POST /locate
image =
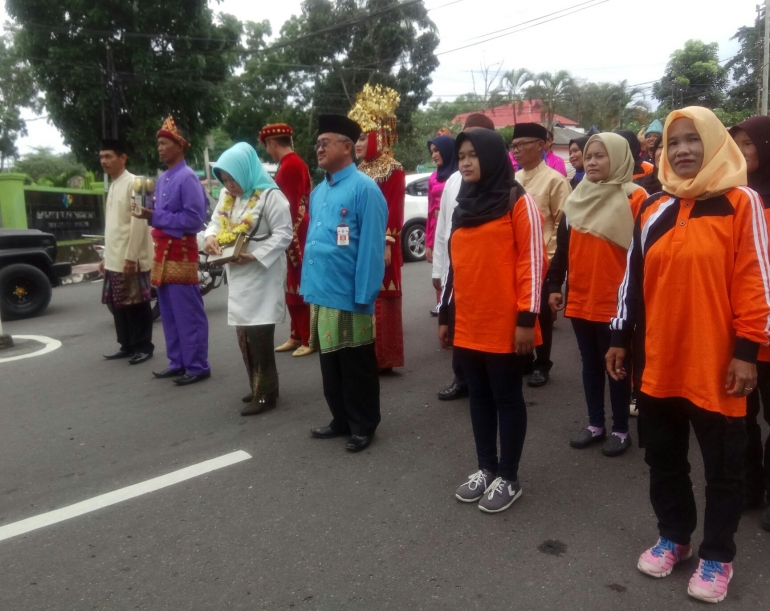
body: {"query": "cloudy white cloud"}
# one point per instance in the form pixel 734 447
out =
pixel 610 41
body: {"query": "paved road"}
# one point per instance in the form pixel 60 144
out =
pixel 302 524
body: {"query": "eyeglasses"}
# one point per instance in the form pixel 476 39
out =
pixel 517 145
pixel 322 144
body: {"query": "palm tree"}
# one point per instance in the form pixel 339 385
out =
pixel 553 90
pixel 632 104
pixel 515 83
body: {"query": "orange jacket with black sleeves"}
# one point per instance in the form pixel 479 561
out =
pixel 495 279
pixel 695 295
pixel 594 268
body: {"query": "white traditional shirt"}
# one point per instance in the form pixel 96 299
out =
pixel 126 238
pixel 257 289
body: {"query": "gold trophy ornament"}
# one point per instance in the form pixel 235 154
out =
pixel 144 190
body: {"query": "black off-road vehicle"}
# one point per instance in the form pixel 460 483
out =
pixel 28 272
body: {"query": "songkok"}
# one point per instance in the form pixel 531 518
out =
pixel 530 130
pixel 478 120
pixel 170 131
pixel 656 127
pixel 339 124
pixel 117 146
pixel 275 130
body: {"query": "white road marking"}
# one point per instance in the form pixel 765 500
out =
pixel 117 496
pixel 50 346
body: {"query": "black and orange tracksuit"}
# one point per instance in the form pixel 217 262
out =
pixel 696 294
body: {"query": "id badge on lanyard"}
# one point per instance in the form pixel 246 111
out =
pixel 343 231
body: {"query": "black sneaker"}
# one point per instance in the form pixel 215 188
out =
pixel 586 438
pixel 500 495
pixel 472 490
pixel 538 378
pixel 615 445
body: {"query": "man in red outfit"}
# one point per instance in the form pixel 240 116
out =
pixel 293 180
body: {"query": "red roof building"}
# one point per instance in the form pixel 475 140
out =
pixel 528 112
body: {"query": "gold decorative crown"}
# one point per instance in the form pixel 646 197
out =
pixel 375 110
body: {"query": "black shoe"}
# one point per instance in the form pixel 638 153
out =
pixel 538 378
pixel 434 313
pixel 327 432
pixel 455 391
pixel 586 438
pixel 766 518
pixel 120 354
pixel 358 443
pixel 139 357
pixel 187 379
pixel 248 398
pixel 615 446
pixel 168 373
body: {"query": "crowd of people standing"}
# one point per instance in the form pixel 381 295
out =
pixel 651 229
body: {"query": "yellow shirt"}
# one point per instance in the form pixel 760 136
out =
pixel 125 237
pixel 550 190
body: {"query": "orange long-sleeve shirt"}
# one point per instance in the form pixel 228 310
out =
pixel 696 293
pixel 495 279
pixel 595 268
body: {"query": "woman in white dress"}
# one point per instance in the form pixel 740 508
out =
pixel 256 280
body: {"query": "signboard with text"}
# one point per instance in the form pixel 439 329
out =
pixel 66 215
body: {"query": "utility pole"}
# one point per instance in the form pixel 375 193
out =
pixel 766 59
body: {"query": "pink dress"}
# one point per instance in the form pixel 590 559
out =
pixel 435 189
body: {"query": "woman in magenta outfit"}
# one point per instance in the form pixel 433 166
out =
pixel 442 151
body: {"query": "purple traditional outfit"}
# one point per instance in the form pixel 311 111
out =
pixel 180 213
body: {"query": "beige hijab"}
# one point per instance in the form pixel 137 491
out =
pixel 724 167
pixel 602 208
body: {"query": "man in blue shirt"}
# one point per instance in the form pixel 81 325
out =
pixel 342 273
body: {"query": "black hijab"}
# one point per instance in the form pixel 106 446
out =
pixel 636 148
pixel 489 198
pixel 446 148
pixel 758 129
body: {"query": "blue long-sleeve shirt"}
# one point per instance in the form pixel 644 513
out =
pixel 180 202
pixel 345 277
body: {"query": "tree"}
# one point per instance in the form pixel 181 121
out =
pixel 693 77
pixel 515 83
pixel 43 166
pixel 18 91
pixel 553 91
pixel 489 81
pixel 744 67
pixel 324 56
pixel 109 58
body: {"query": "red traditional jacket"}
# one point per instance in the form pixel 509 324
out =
pixel 390 177
pixel 293 179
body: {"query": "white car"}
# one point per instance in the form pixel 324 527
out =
pixel 415 217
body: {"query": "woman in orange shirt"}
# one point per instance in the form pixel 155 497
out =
pixel 592 247
pixel 496 292
pixel 695 306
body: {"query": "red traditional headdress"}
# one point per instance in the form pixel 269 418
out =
pixel 170 130
pixel 275 130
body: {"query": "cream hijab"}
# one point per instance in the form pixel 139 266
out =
pixel 724 167
pixel 602 208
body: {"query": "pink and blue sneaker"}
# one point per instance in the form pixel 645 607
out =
pixel 710 581
pixel 659 560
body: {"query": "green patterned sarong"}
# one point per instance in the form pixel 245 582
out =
pixel 332 330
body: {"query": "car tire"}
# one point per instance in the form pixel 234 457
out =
pixel 25 291
pixel 413 242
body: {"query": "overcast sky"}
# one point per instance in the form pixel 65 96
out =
pixel 605 41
